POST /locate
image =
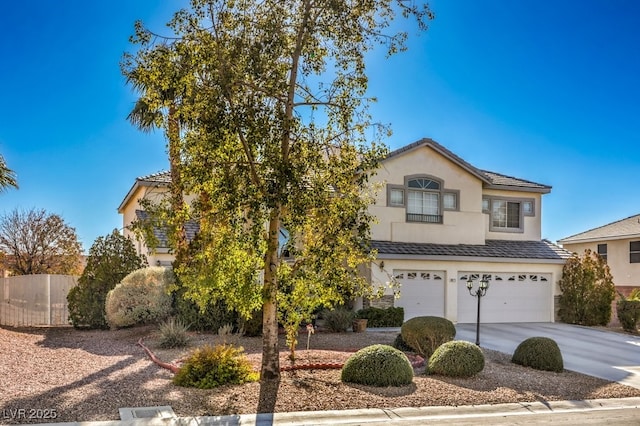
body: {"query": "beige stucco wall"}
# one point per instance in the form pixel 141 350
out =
pixel 459 227
pixel 453 268
pixel 624 273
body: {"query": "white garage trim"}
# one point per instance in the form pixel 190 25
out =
pixel 422 293
pixel 511 297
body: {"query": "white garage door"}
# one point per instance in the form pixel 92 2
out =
pixel 510 298
pixel 421 293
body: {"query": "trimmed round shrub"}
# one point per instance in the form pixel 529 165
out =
pixel 141 298
pixel 378 365
pixel 209 367
pixel 541 353
pixel 456 359
pixel 425 334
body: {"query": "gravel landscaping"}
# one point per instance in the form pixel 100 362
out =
pixel 64 375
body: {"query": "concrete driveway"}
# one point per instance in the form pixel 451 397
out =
pixel 605 354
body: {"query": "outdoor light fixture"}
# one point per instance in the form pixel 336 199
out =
pixel 479 293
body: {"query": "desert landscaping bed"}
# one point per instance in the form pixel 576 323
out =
pixel 76 375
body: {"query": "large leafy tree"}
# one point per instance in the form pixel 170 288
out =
pixel 273 122
pixel 7 176
pixel 38 242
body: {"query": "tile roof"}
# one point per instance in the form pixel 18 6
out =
pixel 504 180
pixel 490 178
pixel 544 249
pixel 191 227
pixel 159 177
pixel 624 228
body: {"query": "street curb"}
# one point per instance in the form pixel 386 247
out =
pixel 377 415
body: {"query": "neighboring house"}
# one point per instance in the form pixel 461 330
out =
pixel 441 222
pixel 619 244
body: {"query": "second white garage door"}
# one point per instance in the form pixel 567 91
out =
pixel 510 298
pixel 421 293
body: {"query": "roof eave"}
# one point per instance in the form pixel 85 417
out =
pixel 598 239
pixel 395 256
pixel 137 184
pixel 442 151
pixel 543 190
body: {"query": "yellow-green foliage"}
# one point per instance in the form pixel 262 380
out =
pixel 456 359
pixel 425 334
pixel 208 367
pixel 142 297
pixel 541 353
pixel 378 365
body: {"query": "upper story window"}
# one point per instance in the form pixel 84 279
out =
pixel 602 251
pixel 423 197
pixel 634 252
pixel 507 214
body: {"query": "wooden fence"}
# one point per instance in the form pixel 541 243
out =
pixel 35 300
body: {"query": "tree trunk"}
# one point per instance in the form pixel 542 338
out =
pixel 270 371
pixel 177 186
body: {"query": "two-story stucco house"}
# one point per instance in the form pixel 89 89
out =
pixel 441 222
pixel 619 244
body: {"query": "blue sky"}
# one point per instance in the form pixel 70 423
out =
pixel 546 90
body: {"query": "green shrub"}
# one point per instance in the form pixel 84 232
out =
pixel 628 311
pixel 173 334
pixel 401 345
pixel 425 334
pixel 141 298
pixel 211 318
pixel 378 317
pixel 541 353
pixel 456 359
pixel 378 365
pixel 338 320
pixel 587 290
pixel 111 258
pixel 251 327
pixel 209 367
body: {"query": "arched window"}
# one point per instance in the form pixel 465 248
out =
pixel 423 197
pixel 423 200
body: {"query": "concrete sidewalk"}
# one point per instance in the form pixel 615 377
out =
pixel 520 413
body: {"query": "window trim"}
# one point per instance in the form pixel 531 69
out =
pixel 391 187
pixel 439 192
pixel 601 249
pixel 456 196
pixel 518 200
pixel 634 252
